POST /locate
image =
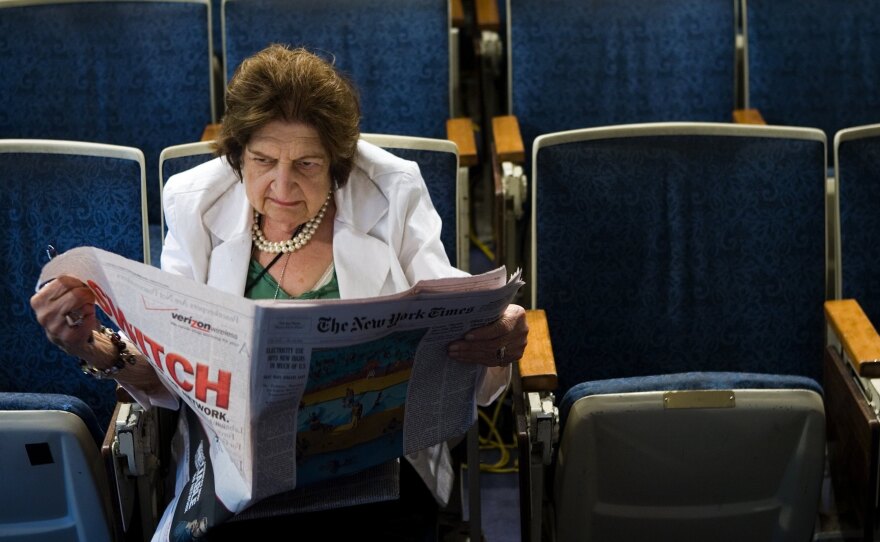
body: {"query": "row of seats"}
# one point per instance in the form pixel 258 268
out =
pixel 710 231
pixel 569 64
pixel 677 259
pixel 687 81
pixel 573 64
pixel 140 74
pixel 670 256
pixel 68 194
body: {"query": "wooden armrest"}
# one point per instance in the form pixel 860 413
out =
pixel 859 338
pixel 456 8
pixel 461 131
pixel 211 132
pixel 537 366
pixel 487 15
pixel 508 140
pixel 748 116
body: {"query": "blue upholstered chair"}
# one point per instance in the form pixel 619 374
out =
pixel 133 73
pixel 398 53
pixel 813 63
pixel 681 267
pixel 402 56
pixel 575 64
pixel 438 162
pixel 447 183
pixel 853 345
pixel 857 174
pixel 53 418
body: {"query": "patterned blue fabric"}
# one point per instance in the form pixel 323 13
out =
pixel 53 401
pixel 684 381
pixel 814 62
pixel 396 52
pixel 582 63
pixel 66 201
pixel 177 164
pixel 133 73
pixel 859 193
pixel 439 169
pixel 670 254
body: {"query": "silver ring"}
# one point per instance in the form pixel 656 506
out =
pixel 74 318
pixel 500 353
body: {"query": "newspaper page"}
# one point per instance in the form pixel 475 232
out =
pixel 287 394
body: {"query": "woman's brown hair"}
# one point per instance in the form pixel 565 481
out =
pixel 294 85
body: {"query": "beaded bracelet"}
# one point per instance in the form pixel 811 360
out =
pixel 123 357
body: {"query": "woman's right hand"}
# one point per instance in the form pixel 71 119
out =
pixel 65 307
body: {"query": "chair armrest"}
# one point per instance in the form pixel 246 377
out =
pixel 487 15
pixel 135 452
pixel 509 145
pixel 748 116
pixel 852 423
pixel 211 132
pixel 460 130
pixel 456 9
pixel 537 368
pixel 859 338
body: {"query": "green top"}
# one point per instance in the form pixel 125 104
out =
pixel 265 288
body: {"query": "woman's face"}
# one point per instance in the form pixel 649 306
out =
pixel 286 173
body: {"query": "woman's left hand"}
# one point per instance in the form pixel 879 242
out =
pixel 496 345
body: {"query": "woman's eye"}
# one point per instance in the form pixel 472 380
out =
pixel 261 160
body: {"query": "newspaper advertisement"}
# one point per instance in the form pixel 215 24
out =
pixel 284 394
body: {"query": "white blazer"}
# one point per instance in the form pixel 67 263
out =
pixel 386 237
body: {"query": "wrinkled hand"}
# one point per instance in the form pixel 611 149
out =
pixel 496 345
pixel 65 307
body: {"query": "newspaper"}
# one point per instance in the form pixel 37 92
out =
pixel 294 393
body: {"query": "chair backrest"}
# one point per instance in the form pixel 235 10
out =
pixel 674 247
pixel 814 63
pixel 681 267
pixel 398 53
pixel 575 64
pixel 857 171
pixel 438 162
pixel 133 73
pixel 65 194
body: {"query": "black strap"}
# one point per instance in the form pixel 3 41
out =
pixel 265 270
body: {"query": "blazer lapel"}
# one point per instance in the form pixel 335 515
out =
pixel 229 264
pixel 362 265
pixel 229 221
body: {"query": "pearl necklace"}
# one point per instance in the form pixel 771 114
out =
pixel 297 242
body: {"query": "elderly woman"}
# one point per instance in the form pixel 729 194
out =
pixel 294 207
